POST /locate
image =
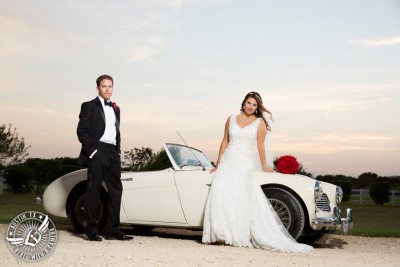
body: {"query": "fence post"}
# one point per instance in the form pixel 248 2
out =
pixel 394 196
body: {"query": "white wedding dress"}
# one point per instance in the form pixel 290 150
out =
pixel 237 210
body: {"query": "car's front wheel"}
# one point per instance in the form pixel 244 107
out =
pixel 288 209
pixel 76 209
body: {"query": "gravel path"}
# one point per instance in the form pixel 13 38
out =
pixel 173 247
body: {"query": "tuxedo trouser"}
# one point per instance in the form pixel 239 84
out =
pixel 105 165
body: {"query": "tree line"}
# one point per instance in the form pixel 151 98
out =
pixel 24 175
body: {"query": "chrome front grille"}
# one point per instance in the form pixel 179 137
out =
pixel 322 204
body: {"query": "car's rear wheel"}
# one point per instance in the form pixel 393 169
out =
pixel 76 210
pixel 288 209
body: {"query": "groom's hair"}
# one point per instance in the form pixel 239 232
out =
pixel 104 77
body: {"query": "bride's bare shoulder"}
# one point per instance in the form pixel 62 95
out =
pixel 228 120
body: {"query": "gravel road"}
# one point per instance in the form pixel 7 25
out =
pixel 174 247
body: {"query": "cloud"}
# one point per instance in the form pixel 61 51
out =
pixel 21 36
pixel 391 41
pixel 137 30
pixel 154 45
pixel 176 4
pixel 330 97
pixel 144 21
pixel 323 143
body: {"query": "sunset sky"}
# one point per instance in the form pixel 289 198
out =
pixel 328 70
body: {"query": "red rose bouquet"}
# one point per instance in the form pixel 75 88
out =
pixel 287 164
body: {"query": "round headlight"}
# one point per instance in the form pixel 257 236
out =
pixel 317 190
pixel 339 194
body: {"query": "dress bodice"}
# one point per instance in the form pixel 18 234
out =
pixel 245 137
pixel 242 141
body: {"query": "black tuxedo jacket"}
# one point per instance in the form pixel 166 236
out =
pixel 91 128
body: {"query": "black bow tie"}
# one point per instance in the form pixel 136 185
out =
pixel 108 103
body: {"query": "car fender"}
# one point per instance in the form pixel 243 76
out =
pixel 56 194
pixel 301 186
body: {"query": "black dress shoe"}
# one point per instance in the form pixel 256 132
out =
pixel 117 236
pixel 93 237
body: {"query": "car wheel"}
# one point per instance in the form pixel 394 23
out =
pixel 76 210
pixel 288 209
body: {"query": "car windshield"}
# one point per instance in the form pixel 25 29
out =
pixel 187 156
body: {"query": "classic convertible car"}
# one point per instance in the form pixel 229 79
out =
pixel 176 197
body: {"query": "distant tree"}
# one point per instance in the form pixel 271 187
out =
pixel 19 179
pixel 159 162
pixel 326 178
pixel 137 157
pixel 380 192
pixel 366 179
pixel 68 161
pixel 12 148
pixel 45 171
pixel 67 165
pixel 393 181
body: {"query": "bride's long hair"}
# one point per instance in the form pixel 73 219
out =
pixel 260 108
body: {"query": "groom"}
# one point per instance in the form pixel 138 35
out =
pixel 98 132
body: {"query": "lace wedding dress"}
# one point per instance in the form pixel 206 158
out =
pixel 237 210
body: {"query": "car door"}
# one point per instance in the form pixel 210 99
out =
pixel 193 180
pixel 193 187
pixel 151 198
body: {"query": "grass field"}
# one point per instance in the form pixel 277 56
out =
pixel 374 220
pixel 368 200
pixel 11 205
pixel 369 219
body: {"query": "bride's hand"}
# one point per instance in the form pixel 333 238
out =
pixel 213 170
pixel 266 169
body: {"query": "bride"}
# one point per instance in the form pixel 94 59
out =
pixel 237 211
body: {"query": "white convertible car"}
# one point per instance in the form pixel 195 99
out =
pixel 176 197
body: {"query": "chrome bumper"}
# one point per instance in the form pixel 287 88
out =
pixel 335 223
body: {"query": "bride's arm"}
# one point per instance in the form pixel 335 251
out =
pixel 222 147
pixel 262 131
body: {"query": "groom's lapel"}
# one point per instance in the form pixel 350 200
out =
pixel 100 109
pixel 117 118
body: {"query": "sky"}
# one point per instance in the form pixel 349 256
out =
pixel 329 71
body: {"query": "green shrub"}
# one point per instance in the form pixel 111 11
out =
pixel 380 192
pixel 19 179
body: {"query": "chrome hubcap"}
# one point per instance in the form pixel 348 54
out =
pixel 282 211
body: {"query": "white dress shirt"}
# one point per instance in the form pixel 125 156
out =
pixel 110 133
